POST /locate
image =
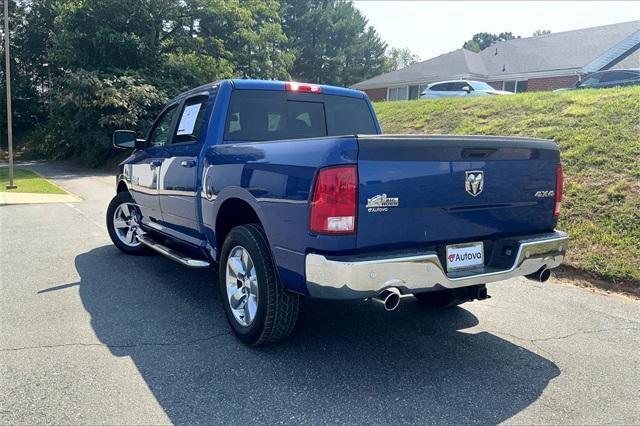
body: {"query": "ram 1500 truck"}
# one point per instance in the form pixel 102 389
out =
pixel 291 190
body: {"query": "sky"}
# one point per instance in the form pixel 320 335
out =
pixel 430 29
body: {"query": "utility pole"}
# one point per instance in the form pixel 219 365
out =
pixel 8 76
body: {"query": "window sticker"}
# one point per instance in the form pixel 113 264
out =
pixel 188 119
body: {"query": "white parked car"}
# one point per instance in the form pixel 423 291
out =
pixel 460 88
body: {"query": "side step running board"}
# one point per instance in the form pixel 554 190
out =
pixel 172 254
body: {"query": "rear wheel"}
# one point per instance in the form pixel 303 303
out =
pixel 123 219
pixel 258 308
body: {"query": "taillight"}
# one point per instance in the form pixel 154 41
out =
pixel 559 184
pixel 334 201
pixel 292 86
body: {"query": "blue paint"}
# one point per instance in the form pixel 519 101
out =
pixel 275 179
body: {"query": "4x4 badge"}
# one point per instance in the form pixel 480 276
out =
pixel 474 182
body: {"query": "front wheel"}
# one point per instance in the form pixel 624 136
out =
pixel 123 219
pixel 258 308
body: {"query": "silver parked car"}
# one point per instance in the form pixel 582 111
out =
pixel 460 88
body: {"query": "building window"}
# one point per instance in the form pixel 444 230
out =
pixel 422 88
pixel 522 86
pixel 393 94
pixel 515 86
pixel 398 93
pixel 414 92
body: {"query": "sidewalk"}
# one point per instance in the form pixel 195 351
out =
pixel 28 198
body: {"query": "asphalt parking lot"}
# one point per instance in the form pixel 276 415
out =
pixel 90 335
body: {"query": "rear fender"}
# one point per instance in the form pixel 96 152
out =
pixel 214 206
pixel 290 280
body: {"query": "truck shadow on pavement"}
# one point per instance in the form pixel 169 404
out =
pixel 347 362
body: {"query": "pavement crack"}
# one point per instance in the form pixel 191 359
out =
pixel 566 336
pixel 119 346
pixel 535 341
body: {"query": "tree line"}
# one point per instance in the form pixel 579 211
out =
pixel 82 68
pixel 481 41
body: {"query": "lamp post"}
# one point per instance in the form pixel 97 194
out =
pixel 46 65
pixel 8 76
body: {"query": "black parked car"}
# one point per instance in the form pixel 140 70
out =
pixel 609 78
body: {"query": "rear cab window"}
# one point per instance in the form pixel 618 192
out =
pixel 266 115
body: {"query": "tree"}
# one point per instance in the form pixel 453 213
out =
pixel 106 35
pixel 118 61
pixel 29 23
pixel 400 58
pixel 114 63
pixel 481 41
pixel 541 32
pixel 331 41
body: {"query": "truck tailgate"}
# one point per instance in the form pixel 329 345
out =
pixel 416 191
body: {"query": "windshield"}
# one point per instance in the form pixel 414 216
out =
pixel 480 85
pixel 592 79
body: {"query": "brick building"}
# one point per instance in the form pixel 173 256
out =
pixel 545 62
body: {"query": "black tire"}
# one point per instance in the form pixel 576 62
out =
pixel 277 309
pixel 136 249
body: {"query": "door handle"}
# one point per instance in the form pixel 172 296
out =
pixel 155 163
pixel 188 163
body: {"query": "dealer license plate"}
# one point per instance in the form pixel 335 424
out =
pixel 465 256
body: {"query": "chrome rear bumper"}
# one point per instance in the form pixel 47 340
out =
pixel 344 278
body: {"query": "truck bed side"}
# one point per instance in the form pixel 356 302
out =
pixel 275 180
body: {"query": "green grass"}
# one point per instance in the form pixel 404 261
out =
pixel 27 181
pixel 598 132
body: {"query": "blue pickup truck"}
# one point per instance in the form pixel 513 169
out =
pixel 291 190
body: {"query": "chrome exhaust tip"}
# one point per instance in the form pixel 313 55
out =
pixel 389 298
pixel 541 275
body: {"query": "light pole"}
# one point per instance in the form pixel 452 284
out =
pixel 8 76
pixel 46 65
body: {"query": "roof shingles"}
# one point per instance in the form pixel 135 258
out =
pixel 568 50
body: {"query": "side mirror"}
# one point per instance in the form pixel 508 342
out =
pixel 466 89
pixel 126 139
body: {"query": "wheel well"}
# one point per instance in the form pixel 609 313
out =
pixel 232 213
pixel 122 186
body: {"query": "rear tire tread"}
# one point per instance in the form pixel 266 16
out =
pixel 281 308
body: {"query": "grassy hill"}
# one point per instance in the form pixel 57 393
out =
pixel 598 132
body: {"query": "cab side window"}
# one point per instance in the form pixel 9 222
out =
pixel 191 120
pixel 159 135
pixel 442 87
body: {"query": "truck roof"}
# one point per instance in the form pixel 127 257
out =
pixel 248 84
pixel 243 84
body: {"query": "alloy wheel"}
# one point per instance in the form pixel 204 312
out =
pixel 242 286
pixel 125 224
